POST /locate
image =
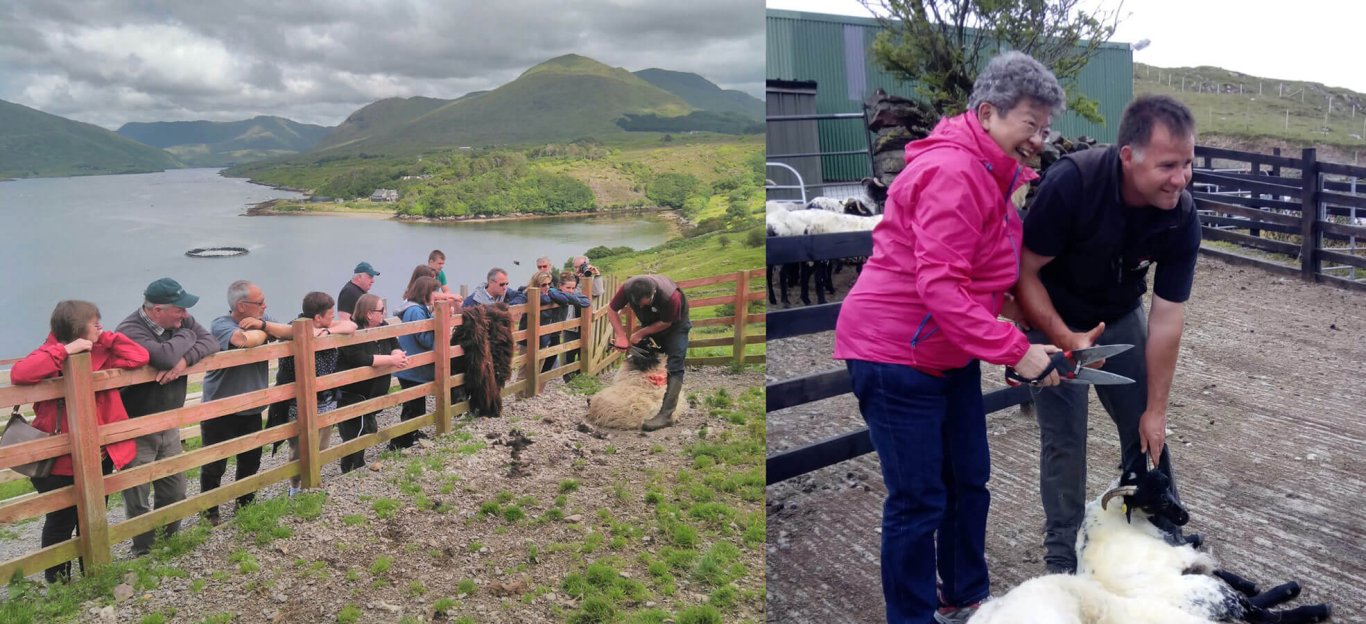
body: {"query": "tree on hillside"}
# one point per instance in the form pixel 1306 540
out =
pixel 941 44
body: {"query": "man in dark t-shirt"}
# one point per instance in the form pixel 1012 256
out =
pixel 360 284
pixel 662 310
pixel 1100 219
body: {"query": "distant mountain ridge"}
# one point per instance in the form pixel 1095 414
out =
pixel 703 94
pixel 562 99
pixel 217 143
pixel 38 144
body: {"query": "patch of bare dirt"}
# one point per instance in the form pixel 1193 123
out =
pixel 442 531
pixel 1268 439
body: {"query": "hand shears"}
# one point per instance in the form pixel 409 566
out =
pixel 1071 367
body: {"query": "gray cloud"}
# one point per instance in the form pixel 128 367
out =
pixel 315 61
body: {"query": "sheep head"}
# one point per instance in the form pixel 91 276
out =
pixel 1149 491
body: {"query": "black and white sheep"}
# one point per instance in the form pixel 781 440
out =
pixel 635 394
pixel 811 221
pixel 1130 571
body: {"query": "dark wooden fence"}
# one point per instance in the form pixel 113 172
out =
pixel 1311 218
pixel 77 386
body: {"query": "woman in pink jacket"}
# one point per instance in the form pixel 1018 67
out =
pixel 922 315
pixel 76 328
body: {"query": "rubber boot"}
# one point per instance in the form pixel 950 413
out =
pixel 665 417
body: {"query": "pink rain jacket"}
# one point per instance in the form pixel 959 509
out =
pixel 945 253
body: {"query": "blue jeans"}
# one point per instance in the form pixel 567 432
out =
pixel 931 439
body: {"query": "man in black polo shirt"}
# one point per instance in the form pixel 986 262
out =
pixel 661 308
pixel 360 284
pixel 1100 219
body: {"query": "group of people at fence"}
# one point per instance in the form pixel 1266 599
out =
pixel 162 332
pixel 953 256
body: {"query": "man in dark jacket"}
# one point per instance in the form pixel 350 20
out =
pixel 495 290
pixel 174 340
pixel 1100 220
pixel 661 308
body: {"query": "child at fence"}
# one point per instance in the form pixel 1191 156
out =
pixel 569 283
pixel 75 329
pixel 319 307
pixel 383 353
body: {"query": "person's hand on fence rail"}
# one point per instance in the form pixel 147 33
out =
pixel 167 376
pixel 398 359
pixel 78 345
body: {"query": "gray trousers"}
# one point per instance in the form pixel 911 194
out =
pixel 169 489
pixel 1062 414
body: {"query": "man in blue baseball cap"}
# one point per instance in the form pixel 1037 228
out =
pixel 174 340
pixel 361 281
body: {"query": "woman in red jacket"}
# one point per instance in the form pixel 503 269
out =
pixel 920 318
pixel 76 328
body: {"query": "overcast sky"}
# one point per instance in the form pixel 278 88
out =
pixel 109 62
pixel 1312 40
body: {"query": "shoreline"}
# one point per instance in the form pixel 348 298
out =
pixel 267 209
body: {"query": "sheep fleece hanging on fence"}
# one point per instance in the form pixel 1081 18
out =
pixel 485 334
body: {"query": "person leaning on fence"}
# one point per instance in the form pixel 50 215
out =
pixel 551 295
pixel 1100 219
pixel 420 296
pixel 362 280
pixel 661 309
pixel 382 354
pixel 319 307
pixel 75 329
pixel 436 261
pixel 569 285
pixel 495 290
pixel 174 341
pixel 245 325
pixel 922 316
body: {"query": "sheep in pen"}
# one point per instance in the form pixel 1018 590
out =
pixel 1132 572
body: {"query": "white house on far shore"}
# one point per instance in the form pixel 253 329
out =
pixel 387 195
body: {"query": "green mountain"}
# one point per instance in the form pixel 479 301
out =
pixel 563 99
pixel 379 118
pixel 219 144
pixel 703 94
pixel 37 144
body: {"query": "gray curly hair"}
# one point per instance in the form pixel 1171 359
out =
pixel 1012 76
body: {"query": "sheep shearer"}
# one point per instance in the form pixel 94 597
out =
pixel 361 282
pixel 1100 219
pixel 662 310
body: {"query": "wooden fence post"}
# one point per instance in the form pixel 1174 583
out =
pixel 533 341
pixel 1311 235
pixel 306 398
pixel 441 344
pixel 83 424
pixel 586 330
pixel 741 311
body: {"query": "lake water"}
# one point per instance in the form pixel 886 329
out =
pixel 104 238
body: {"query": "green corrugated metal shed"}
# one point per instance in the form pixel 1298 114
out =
pixel 834 51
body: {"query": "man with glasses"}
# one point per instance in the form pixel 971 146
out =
pixel 495 290
pixel 246 325
pixel 543 265
pixel 164 327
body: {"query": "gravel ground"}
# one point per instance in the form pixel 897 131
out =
pixel 1266 423
pixel 303 578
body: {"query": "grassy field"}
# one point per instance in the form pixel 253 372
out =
pixel 1238 105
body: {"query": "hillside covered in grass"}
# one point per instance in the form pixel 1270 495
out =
pixel 37 144
pixel 1241 106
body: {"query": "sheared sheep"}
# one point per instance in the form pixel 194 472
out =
pixel 1129 571
pixel 636 393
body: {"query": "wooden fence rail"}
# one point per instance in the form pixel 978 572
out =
pixel 84 437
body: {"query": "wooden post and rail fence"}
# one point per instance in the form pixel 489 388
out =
pixel 84 437
pixel 1317 217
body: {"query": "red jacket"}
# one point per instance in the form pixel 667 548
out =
pixel 112 350
pixel 945 253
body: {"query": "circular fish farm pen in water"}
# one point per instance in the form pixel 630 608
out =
pixel 216 252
